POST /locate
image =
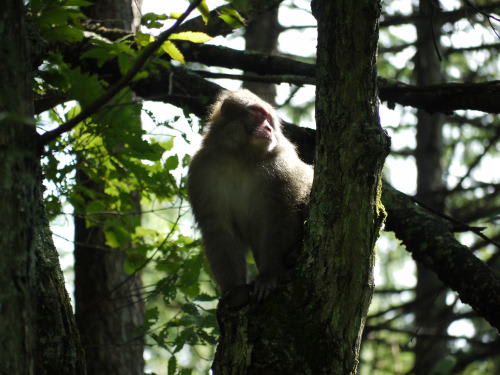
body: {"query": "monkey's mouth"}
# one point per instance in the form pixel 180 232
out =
pixel 264 131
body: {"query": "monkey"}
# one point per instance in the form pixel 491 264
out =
pixel 247 187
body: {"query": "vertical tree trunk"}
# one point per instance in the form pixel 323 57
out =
pixel 262 35
pixel 109 307
pixel 314 324
pixel 346 211
pixel 37 329
pixel 430 315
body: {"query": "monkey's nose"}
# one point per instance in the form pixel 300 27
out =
pixel 260 113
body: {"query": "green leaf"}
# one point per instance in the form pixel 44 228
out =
pixel 112 240
pixel 172 162
pixel 204 11
pixel 190 276
pixel 64 33
pixel 151 20
pixel 175 15
pixel 167 145
pixel 143 39
pixel 83 87
pixel 53 17
pixel 78 3
pixel 190 309
pixel 444 366
pixel 191 36
pixel 172 365
pixel 232 18
pixel 95 206
pixel 151 316
pixel 124 63
pixel 170 49
pixel 116 235
pixel 100 54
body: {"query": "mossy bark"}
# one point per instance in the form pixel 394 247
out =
pixel 313 324
pixel 37 329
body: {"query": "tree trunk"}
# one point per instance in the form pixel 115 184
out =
pixel 346 211
pixel 430 312
pixel 109 306
pixel 313 325
pixel 37 328
pixel 261 35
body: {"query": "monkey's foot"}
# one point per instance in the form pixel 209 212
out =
pixel 237 297
pixel 264 286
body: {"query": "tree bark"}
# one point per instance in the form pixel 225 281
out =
pixel 261 35
pixel 430 311
pixel 37 329
pixel 109 306
pixel 346 211
pixel 314 323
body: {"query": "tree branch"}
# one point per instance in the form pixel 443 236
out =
pixel 430 241
pixel 445 97
pixel 443 17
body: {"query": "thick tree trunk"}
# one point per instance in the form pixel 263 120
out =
pixel 430 312
pixel 109 307
pixel 37 329
pixel 346 211
pixel 313 325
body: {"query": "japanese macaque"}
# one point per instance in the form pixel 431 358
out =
pixel 248 188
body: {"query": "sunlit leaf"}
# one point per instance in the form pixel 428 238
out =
pixel 204 11
pixel 170 49
pixel 232 18
pixel 175 15
pixel 192 36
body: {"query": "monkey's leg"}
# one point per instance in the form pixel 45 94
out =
pixel 226 256
pixel 270 260
pixel 278 236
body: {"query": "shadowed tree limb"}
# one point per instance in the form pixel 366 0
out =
pixel 430 241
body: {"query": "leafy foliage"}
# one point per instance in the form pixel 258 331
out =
pixel 125 161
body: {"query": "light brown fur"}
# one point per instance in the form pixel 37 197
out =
pixel 247 191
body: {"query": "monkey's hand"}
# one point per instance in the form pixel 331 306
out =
pixel 264 285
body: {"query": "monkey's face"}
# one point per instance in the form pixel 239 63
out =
pixel 260 127
pixel 248 122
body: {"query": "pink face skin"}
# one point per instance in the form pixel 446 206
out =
pixel 263 134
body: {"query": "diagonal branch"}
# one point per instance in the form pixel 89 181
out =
pixel 430 241
pixel 444 17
